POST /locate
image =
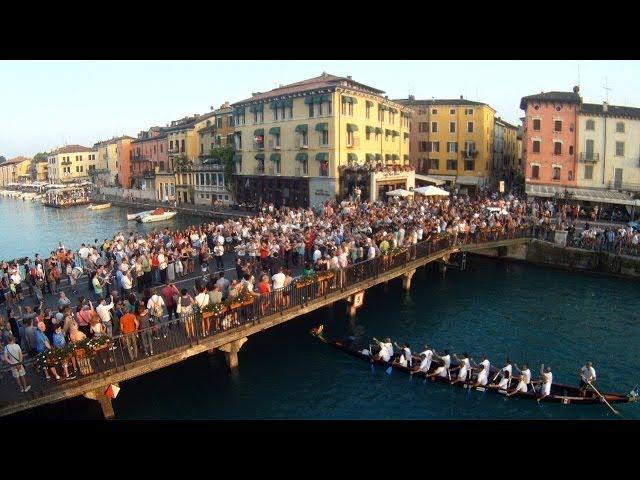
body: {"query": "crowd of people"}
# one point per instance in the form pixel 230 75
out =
pixel 132 276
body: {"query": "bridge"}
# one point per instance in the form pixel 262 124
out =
pixel 228 330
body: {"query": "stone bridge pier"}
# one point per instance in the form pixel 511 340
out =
pixel 231 353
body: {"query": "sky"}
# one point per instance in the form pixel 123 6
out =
pixel 47 104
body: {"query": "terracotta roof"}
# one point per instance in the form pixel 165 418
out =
pixel 453 101
pixel 71 149
pixel 612 110
pixel 15 160
pixel 566 97
pixel 322 82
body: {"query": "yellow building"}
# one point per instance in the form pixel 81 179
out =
pixel 184 148
pixel 452 140
pixel 72 163
pixel 307 142
pixel 40 169
pixel 106 170
pixel 13 169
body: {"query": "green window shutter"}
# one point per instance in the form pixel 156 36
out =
pixel 382 107
pixel 288 102
pixel 308 100
pixel 259 156
pixel 275 157
pixel 378 130
pixel 370 103
pixel 352 127
pixel 395 157
pixel 387 131
pixel 302 157
pixel 393 110
pixel 258 132
pixel 406 157
pixel 321 127
pixel 369 129
pixel 352 157
pixel 369 157
pixel 326 98
pixel 302 128
pixel 395 133
pixel 378 157
pixel 274 131
pixel 272 105
pixel 322 157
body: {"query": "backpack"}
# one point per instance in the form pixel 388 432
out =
pixel 158 311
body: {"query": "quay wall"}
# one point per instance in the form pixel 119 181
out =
pixel 547 254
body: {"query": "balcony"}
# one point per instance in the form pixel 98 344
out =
pixel 173 151
pixel 66 162
pixel 209 188
pixel 469 153
pixel 207 167
pixel 589 157
pixel 259 170
pixel 140 158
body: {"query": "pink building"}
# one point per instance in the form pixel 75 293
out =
pixel 550 137
pixel 148 153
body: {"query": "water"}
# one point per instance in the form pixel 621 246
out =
pixel 532 314
pixel 29 228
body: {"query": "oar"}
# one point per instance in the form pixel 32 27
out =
pixel 389 370
pixel 373 369
pixel 603 399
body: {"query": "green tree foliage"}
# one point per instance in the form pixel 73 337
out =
pixel 225 156
pixel 40 157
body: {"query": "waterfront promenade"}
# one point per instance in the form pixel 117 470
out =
pixel 229 330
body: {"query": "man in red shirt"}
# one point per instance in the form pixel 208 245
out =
pixel 128 326
pixel 309 241
pixel 167 293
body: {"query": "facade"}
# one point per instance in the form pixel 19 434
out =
pixel 519 162
pixel 505 151
pixel 452 140
pixel 550 138
pixel 149 156
pixel 15 170
pixel 609 147
pixel 305 143
pixel 124 161
pixel 73 163
pixel 39 171
pixel 223 131
pixel 107 168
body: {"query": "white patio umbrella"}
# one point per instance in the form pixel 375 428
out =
pixel 431 191
pixel 399 193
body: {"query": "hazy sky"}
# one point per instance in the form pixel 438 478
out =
pixel 45 104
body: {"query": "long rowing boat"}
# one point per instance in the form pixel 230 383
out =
pixel 564 394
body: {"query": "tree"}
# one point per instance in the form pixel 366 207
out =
pixel 2 159
pixel 40 157
pixel 225 156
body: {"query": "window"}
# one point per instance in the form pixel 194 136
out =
pixel 620 127
pixel 367 134
pixel 619 149
pixel 588 149
pixel 452 127
pixel 557 148
pixel 556 173
pixel 324 169
pixel 468 111
pixel 305 167
pixel 434 111
pixel 452 111
pixel 536 124
pixel 434 127
pixel 571 150
pixel 422 146
pixel 535 171
pixel 368 111
pixel 469 148
pixel 557 126
pixel 423 127
pixel 182 146
pixel 276 140
pixel 591 125
pixel 380 115
pixel 588 172
pixel 536 146
pixel 468 165
pixel 160 148
pixel 570 174
pixel 311 110
pixel 303 139
pixel 469 127
pixel 324 138
pixel 434 163
pixel 350 139
pixel 392 117
pixel 452 164
pixel 435 147
pixel 452 147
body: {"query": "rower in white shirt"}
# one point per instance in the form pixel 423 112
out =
pixel 425 364
pixel 464 365
pixel 587 376
pixel 524 380
pixel 445 361
pixel 406 351
pixel 386 349
pixel 546 378
pixel 483 373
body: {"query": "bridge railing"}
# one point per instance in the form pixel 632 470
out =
pixel 129 350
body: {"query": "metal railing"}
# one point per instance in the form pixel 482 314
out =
pixel 169 336
pixel 589 157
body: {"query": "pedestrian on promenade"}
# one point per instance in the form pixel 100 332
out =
pixel 13 356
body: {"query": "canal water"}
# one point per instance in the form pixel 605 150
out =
pixel 531 314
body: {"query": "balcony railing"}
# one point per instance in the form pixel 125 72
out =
pixel 629 187
pixel 207 167
pixel 140 158
pixel 589 157
pixel 469 153
pixel 173 150
pixel 209 188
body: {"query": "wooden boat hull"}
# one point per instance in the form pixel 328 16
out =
pixel 99 207
pixel 565 394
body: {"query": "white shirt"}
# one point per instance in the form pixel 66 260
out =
pixel 278 280
pixel 447 361
pixel 526 376
pixel 486 366
pixel 384 353
pixel 155 300
pixel 218 250
pixel 389 347
pixel 509 369
pixel 202 299
pixel 84 253
pixel 407 354
pixel 588 374
pixel 103 312
pixel 547 378
pixel 316 255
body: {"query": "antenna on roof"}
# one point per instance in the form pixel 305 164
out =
pixel 578 75
pixel 606 88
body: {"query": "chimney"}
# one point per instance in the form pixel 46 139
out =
pixel 576 89
pixel 605 107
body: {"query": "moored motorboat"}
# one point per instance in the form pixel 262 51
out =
pixel 565 394
pixel 134 216
pixel 158 215
pixel 99 207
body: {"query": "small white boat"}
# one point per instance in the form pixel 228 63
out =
pixel 99 207
pixel 134 216
pixel 156 217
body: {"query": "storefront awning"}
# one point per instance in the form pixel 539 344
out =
pixel 370 103
pixel 275 157
pixel 259 157
pixel 302 157
pixel 322 127
pixel 237 158
pixel 369 157
pixel 302 128
pixel 468 180
pixel 427 178
pixel 274 131
pixel 582 194
pixel 258 132
pixel 322 157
